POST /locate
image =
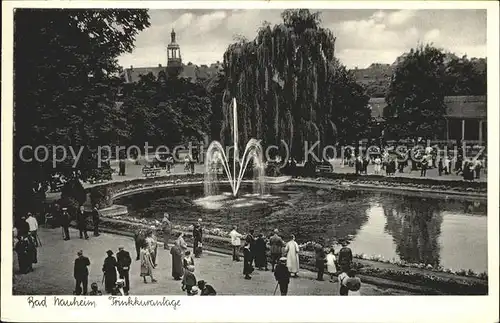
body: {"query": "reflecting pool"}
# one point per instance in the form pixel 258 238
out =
pixel 417 229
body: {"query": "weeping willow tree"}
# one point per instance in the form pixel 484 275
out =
pixel 289 86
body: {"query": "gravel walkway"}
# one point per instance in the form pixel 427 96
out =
pixel 53 275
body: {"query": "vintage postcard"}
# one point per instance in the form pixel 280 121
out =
pixel 158 151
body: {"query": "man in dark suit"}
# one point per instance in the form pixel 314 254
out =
pixel 81 273
pixel 123 265
pixel 65 219
pixel 95 220
pixel 81 222
pixel 197 238
pixel 250 239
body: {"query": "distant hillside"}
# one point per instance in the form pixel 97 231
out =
pixel 464 76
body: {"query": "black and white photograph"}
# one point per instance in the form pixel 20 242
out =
pixel 275 150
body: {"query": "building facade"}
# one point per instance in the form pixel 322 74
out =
pixel 466 117
pixel 174 68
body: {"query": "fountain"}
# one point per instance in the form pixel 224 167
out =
pixel 216 157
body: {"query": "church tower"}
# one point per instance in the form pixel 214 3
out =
pixel 174 65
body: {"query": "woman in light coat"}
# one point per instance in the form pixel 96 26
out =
pixel 147 265
pixel 292 256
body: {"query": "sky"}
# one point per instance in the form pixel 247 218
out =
pixel 363 36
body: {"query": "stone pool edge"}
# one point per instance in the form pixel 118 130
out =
pixel 104 193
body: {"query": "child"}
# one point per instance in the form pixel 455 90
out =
pixel 194 291
pixel 350 285
pixel 189 280
pixel 188 260
pixel 330 264
pixel 119 288
pixel 95 290
pixel 206 289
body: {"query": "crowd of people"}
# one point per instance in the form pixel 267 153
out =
pixel 258 252
pixel 392 162
pixel 183 264
pixel 284 260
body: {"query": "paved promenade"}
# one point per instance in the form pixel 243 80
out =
pixel 53 274
pixel 135 171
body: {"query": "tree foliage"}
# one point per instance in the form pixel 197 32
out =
pixel 290 87
pixel 65 82
pixel 166 111
pixel 416 93
pixel 462 76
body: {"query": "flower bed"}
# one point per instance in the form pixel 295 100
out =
pixel 449 286
pixel 307 249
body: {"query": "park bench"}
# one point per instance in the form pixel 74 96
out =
pixel 151 171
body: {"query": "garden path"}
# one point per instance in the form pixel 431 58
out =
pixel 53 274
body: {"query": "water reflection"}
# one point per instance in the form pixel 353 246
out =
pixel 415 225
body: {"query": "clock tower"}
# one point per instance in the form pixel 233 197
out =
pixel 174 63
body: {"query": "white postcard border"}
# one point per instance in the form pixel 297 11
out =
pixel 261 308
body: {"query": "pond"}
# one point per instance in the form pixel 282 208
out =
pixel 417 229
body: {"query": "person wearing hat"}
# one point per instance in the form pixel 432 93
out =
pixel 65 223
pixel 345 257
pixel 24 256
pixel 247 261
pixel 197 238
pixel 109 270
pixel 206 289
pixel 189 280
pixel 123 262
pixel 81 273
pixel 166 228
pixel 276 246
pixel 282 276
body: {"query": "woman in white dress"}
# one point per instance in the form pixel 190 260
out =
pixel 330 264
pixel 292 256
